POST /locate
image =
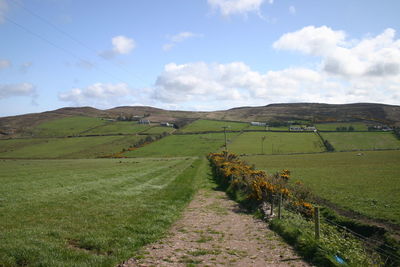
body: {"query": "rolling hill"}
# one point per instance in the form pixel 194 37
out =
pixel 388 114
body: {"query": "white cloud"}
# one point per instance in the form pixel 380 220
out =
pixel 122 45
pixel 4 64
pixel 3 10
pixel 311 40
pixel 98 94
pixel 373 56
pixel 232 7
pixel 292 10
pixel 19 89
pixel 177 38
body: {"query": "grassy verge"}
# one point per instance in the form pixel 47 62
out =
pixel 89 212
pixel 213 125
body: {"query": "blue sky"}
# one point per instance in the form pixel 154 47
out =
pixel 196 55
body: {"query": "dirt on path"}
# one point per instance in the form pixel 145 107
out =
pixel 214 231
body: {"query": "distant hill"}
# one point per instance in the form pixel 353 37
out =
pixel 387 114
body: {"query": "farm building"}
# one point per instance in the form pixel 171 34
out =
pixel 144 121
pixel 166 124
pixel 310 128
pixel 256 123
pixel 295 128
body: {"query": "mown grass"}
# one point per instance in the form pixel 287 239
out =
pixel 95 212
pixel 358 126
pixel 118 127
pixel 362 141
pixel 66 126
pixel 368 184
pixel 276 143
pixel 182 145
pixel 76 147
pixel 211 125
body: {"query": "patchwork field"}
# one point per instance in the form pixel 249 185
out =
pixel 276 143
pixel 182 145
pixel 358 126
pixel 118 127
pixel 347 141
pixel 211 125
pixel 76 147
pixel 67 126
pixel 89 212
pixel 369 184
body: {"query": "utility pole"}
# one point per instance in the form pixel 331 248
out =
pixel 262 144
pixel 226 147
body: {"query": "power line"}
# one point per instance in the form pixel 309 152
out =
pixel 46 21
pixel 59 47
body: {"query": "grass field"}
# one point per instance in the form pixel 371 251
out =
pixel 182 145
pixel 362 141
pixel 211 125
pixel 369 184
pixel 159 130
pixel 118 127
pixel 76 147
pixel 276 143
pixel 358 126
pixel 89 212
pixel 66 126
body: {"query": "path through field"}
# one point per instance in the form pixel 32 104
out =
pixel 214 231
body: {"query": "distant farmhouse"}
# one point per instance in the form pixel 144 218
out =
pixel 166 124
pixel 298 128
pixel 144 121
pixel 256 123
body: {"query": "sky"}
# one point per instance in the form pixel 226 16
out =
pixel 196 55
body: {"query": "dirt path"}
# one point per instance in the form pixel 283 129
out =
pixel 213 231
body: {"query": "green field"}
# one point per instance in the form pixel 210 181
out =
pixel 182 145
pixel 76 147
pixel 66 126
pixel 211 125
pixel 369 184
pixel 347 141
pixel 358 126
pixel 118 127
pixel 159 130
pixel 89 212
pixel 276 143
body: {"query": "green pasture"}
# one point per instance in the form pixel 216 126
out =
pixel 276 143
pixel 346 141
pixel 67 126
pixel 159 130
pixel 369 183
pixel 211 125
pixel 74 147
pixel 182 145
pixel 118 127
pixel 358 126
pixel 92 212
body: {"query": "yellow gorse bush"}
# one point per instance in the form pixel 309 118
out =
pixel 257 185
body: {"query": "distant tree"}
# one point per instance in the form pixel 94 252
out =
pixel 328 146
pixel 351 128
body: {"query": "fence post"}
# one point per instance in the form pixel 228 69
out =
pixel 317 222
pixel 272 205
pixel 280 206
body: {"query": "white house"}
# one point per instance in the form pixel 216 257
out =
pixel 256 123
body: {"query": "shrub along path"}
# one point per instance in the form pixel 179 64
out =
pixel 214 231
